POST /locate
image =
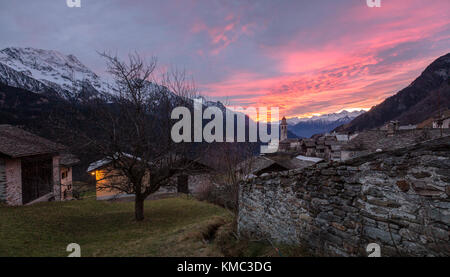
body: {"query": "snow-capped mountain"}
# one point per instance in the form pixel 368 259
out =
pixel 39 70
pixel 49 71
pixel 326 117
pixel 306 127
pixel 209 103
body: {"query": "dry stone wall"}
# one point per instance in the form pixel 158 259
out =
pixel 398 199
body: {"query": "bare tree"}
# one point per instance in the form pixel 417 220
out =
pixel 131 127
pixel 233 162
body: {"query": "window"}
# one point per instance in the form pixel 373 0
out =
pixel 64 175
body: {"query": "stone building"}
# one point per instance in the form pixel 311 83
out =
pixel 107 177
pixel 30 168
pixel 442 122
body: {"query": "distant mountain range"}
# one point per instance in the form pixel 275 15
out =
pixel 306 127
pixel 422 99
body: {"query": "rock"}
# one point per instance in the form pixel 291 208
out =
pixel 379 235
pixel 421 175
pixel 403 185
pixel 338 226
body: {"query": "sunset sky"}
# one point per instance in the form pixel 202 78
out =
pixel 306 57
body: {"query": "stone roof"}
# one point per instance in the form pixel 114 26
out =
pixel 16 143
pixel 372 140
pixel 107 160
pixel 256 164
pixel 68 160
pixel 309 159
pixel 309 143
pixel 290 140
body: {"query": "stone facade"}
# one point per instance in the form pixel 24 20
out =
pixel 66 183
pixel 2 180
pixel 13 182
pixel 56 178
pixel 398 199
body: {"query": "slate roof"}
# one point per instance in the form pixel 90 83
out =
pixel 16 142
pixel 107 160
pixel 309 159
pixel 256 164
pixel 68 160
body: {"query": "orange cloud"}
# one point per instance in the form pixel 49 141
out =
pixel 359 68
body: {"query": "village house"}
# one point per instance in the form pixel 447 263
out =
pixel 107 177
pixel 32 168
pixel 442 121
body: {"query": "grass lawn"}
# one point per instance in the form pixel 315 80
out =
pixel 178 226
pixel 108 228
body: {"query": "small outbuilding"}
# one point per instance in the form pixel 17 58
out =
pixel 108 179
pixel 30 167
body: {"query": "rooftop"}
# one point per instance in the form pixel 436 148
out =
pixel 16 142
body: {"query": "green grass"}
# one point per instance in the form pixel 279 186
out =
pixel 108 228
pixel 179 226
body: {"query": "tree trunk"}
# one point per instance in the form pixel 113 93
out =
pixel 139 208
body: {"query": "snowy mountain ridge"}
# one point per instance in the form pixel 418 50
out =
pixel 46 71
pixel 343 115
pixel 38 69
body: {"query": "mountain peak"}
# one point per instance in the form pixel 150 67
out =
pixel 41 70
pixel 29 54
pixel 415 103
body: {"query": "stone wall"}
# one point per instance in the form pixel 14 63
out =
pixel 398 199
pixel 2 180
pixel 13 182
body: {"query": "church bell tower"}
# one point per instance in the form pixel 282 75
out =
pixel 283 127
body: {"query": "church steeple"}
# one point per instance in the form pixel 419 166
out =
pixel 283 127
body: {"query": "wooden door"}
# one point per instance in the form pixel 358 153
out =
pixel 183 183
pixel 36 177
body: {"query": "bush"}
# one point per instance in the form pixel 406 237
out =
pixel 223 195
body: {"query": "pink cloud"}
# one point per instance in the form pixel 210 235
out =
pixel 349 71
